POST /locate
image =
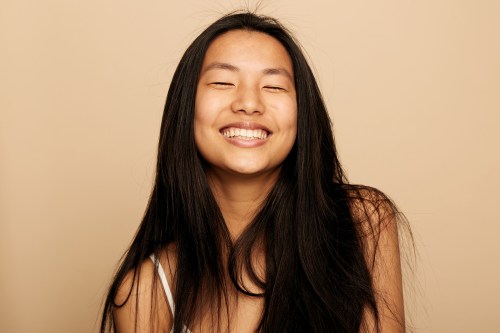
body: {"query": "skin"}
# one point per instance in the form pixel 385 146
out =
pixel 245 77
pixel 248 77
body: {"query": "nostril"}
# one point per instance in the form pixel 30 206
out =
pixel 248 102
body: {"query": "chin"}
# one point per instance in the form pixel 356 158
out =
pixel 248 168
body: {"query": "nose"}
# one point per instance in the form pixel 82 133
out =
pixel 248 100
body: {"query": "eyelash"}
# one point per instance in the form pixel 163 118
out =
pixel 227 84
pixel 274 88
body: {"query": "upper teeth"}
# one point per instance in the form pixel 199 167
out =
pixel 244 133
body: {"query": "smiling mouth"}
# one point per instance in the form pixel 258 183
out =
pixel 245 134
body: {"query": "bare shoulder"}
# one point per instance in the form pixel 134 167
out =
pixel 378 220
pixel 372 208
pixel 141 304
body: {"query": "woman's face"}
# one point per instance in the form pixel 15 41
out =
pixel 246 109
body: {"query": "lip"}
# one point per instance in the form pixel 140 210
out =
pixel 242 143
pixel 247 125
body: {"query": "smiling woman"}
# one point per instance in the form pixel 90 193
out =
pixel 252 225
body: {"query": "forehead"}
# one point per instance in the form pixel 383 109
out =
pixel 243 48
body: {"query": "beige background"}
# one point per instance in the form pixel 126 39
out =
pixel 413 87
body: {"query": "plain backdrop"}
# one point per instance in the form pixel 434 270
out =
pixel 412 86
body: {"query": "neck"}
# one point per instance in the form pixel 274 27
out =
pixel 240 196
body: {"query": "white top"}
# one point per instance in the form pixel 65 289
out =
pixel 166 288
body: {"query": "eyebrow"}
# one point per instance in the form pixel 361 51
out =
pixel 232 68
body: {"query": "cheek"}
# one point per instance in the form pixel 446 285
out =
pixel 207 108
pixel 202 141
pixel 203 114
pixel 288 118
pixel 292 125
pixel 205 131
pixel 200 118
pixel 201 121
pixel 288 127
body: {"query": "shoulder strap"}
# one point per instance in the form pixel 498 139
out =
pixel 164 282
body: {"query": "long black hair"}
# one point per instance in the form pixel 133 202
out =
pixel 316 276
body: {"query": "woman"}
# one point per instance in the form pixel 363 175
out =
pixel 252 225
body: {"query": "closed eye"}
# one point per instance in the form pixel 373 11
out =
pixel 274 88
pixel 221 84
